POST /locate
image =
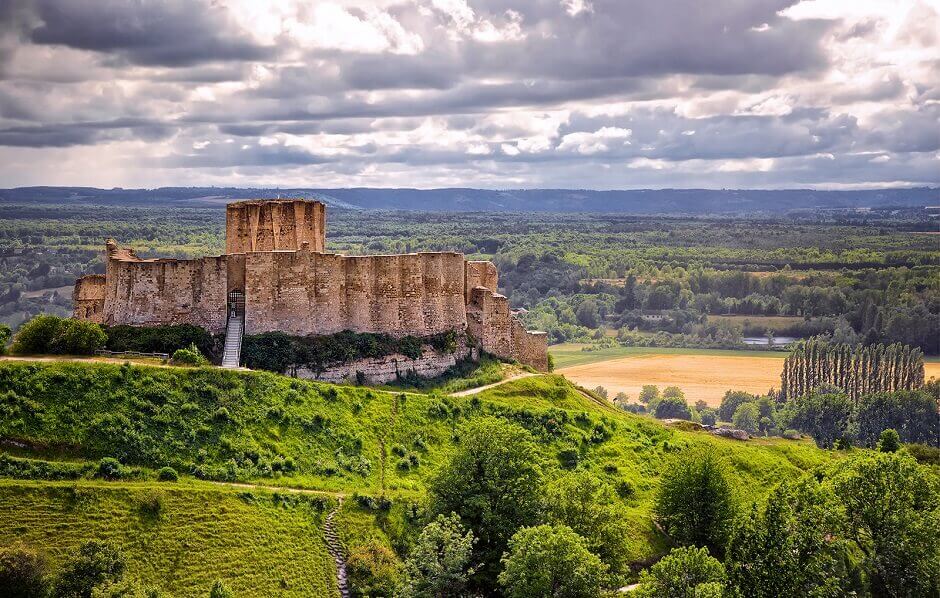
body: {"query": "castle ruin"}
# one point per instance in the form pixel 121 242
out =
pixel 276 275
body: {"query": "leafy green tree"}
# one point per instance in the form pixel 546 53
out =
pixel 893 509
pixel 551 561
pixel 730 403
pixel 825 417
pixel 912 413
pixel 790 545
pixel 694 503
pixel 889 441
pixel 708 416
pixel 97 563
pixel 588 505
pixel 649 393
pixel 374 569
pixel 746 417
pixel 687 572
pixel 673 408
pixel 23 573
pixel 439 564
pixel 52 334
pixel 673 392
pixel 493 482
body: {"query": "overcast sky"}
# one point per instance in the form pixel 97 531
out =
pixel 483 93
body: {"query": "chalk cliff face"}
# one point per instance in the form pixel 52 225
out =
pixel 275 260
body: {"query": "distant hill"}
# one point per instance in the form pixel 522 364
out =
pixel 640 201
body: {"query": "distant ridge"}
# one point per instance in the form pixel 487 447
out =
pixel 637 201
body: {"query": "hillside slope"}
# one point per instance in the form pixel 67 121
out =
pixel 274 430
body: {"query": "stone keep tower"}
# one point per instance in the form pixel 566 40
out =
pixel 274 225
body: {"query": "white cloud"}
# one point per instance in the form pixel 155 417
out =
pixel 601 140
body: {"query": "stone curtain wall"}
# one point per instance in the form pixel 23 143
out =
pixel 305 293
pixel 159 292
pixel 274 225
pixel 88 297
pixel 481 274
pixel 499 333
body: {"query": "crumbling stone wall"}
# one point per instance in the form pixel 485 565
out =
pixel 481 274
pixel 88 297
pixel 305 292
pixel 274 225
pixel 165 291
pixel 499 333
pixel 392 367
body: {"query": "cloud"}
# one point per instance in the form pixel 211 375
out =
pixel 576 93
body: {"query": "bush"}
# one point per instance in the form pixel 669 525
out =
pixel 889 441
pixel 95 564
pixel 694 504
pixel 189 356
pixel 550 560
pixel 150 503
pixel 5 335
pixel 373 569
pixel 673 407
pixel 23 573
pixel 54 335
pixel 730 403
pixel 160 339
pixel 746 417
pixel 791 434
pixel 708 416
pixel 690 572
pixel 220 590
pixel 110 468
pixel 167 474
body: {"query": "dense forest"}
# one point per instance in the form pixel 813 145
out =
pixel 643 280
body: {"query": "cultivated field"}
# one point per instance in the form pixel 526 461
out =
pixel 700 374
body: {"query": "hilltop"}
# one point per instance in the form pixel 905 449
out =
pixel 374 448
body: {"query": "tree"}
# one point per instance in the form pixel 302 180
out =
pixel 588 505
pixel 708 416
pixel 23 573
pixel 889 441
pixel 440 561
pixel 648 393
pixel 673 392
pixel 684 573
pixel 587 313
pixel 746 417
pixel 52 334
pixel 913 414
pixel 790 545
pixel 97 563
pixel 493 482
pixel 373 568
pixel 694 503
pixel 825 417
pixel 730 403
pixel 673 408
pixel 551 562
pixel 893 508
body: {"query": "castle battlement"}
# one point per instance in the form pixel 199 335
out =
pixel 276 266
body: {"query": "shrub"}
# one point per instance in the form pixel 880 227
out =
pixel 550 560
pixel 688 572
pixel 23 573
pixel 95 564
pixel 673 407
pixel 730 403
pixel 110 468
pixel 373 569
pixel 52 334
pixel 889 441
pixel 746 417
pixel 708 416
pixel 160 339
pixel 694 504
pixel 5 334
pixel 220 590
pixel 791 434
pixel 569 458
pixel 167 474
pixel 189 356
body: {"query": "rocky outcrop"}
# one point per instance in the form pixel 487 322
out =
pixel 391 367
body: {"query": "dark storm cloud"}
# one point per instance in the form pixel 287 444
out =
pixel 157 32
pixel 87 133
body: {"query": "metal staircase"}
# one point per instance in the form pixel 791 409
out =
pixel 234 329
pixel 233 342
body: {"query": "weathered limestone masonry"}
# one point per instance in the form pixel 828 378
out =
pixel 392 367
pixel 275 260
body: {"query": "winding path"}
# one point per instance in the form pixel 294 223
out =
pixel 479 389
pixel 335 548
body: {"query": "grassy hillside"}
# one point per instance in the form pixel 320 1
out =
pixel 273 430
pixel 257 543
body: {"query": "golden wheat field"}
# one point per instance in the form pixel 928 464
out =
pixel 701 377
